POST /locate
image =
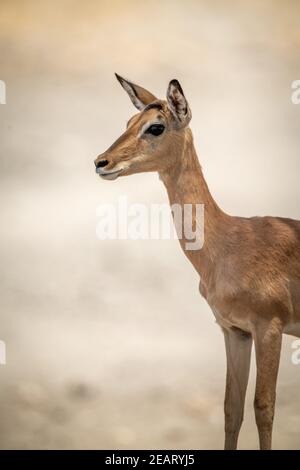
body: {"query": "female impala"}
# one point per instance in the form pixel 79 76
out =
pixel 249 268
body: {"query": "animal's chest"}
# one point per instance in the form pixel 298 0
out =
pixel 227 306
pixel 232 319
pixel 236 303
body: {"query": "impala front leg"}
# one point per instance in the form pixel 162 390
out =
pixel 267 338
pixel 238 352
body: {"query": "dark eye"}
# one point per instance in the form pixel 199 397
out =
pixel 155 129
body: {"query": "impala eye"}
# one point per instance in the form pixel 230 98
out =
pixel 155 129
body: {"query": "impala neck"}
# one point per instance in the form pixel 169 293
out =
pixel 185 184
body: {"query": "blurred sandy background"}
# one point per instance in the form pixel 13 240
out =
pixel 109 344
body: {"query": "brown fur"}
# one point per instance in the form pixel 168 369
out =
pixel 249 267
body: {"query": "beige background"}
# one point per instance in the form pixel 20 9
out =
pixel 109 343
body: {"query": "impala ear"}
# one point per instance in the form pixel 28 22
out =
pixel 178 104
pixel 138 95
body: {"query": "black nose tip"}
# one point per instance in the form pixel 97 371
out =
pixel 101 163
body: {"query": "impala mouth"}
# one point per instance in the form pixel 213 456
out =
pixel 109 175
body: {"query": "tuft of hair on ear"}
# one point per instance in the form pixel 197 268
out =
pixel 178 103
pixel 126 84
pixel 139 96
pixel 131 90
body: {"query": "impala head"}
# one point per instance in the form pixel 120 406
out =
pixel 154 137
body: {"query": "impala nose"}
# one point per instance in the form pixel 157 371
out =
pixel 101 164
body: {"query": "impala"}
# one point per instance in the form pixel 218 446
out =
pixel 249 267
